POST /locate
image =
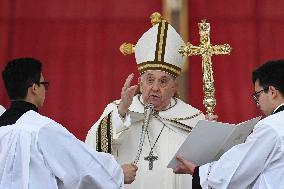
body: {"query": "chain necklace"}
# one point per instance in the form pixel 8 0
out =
pixel 147 113
pixel 150 157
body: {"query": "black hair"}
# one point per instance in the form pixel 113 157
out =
pixel 19 74
pixel 270 74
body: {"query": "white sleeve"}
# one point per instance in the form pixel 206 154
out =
pixel 204 171
pixel 119 124
pixel 237 168
pixel 75 164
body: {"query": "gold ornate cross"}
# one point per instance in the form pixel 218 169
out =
pixel 206 50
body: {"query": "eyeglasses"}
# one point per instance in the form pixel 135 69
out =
pixel 44 83
pixel 256 95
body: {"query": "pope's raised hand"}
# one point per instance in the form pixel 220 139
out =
pixel 127 94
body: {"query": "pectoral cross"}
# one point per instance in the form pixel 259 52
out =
pixel 151 159
pixel 206 50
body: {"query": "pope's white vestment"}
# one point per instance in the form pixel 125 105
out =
pixel 38 153
pixel 168 129
pixel 258 163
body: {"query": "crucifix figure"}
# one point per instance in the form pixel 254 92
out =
pixel 206 50
pixel 151 159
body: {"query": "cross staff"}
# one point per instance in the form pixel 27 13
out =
pixel 206 50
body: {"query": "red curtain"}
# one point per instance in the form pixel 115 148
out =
pixel 255 30
pixel 78 42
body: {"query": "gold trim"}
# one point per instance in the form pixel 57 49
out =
pixel 159 66
pixel 161 41
pixel 173 69
pixel 183 118
pixel 104 140
pixel 181 126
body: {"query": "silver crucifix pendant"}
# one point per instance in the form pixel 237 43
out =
pixel 151 159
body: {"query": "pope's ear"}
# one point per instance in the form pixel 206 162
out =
pixel 139 80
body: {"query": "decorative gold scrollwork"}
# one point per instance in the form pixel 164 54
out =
pixel 206 50
pixel 127 48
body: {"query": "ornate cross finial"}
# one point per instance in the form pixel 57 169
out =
pixel 156 18
pixel 127 48
pixel 206 50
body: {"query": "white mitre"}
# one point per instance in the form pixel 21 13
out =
pixel 157 49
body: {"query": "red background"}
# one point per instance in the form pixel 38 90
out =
pixel 78 43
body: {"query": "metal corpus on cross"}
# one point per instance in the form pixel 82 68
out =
pixel 206 50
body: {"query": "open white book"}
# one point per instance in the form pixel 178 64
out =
pixel 208 140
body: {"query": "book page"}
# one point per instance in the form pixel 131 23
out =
pixel 209 140
pixel 203 142
pixel 238 136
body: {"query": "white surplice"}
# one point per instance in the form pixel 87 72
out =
pixel 126 135
pixel 38 153
pixel 2 110
pixel 258 163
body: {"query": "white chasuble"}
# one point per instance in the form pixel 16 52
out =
pixel 167 130
pixel 38 153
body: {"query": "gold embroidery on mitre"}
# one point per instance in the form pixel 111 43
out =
pixel 163 66
pixel 161 41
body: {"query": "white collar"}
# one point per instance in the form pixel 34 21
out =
pixel 172 103
pixel 278 107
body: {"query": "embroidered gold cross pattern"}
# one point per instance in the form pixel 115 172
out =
pixel 151 159
pixel 206 50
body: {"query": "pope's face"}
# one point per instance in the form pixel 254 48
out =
pixel 157 87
